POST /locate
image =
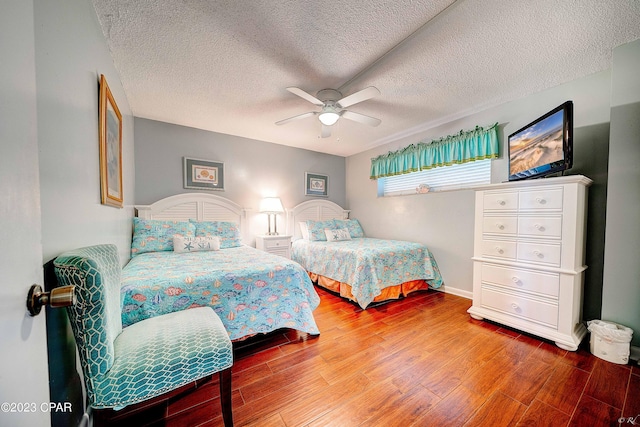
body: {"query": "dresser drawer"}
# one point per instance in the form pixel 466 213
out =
pixel 500 225
pixel 549 227
pixel 534 310
pixel 277 245
pixel 540 253
pixel 272 244
pixel 500 201
pixel 541 199
pixel 547 284
pixel 499 248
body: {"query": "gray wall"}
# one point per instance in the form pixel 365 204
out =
pixel 444 221
pixel 621 292
pixel 252 169
pixel 71 53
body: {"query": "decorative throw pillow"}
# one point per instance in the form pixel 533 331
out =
pixel 316 229
pixel 195 244
pixel 227 231
pixel 337 235
pixel 150 235
pixel 304 231
pixel 353 225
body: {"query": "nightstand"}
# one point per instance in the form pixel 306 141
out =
pixel 278 245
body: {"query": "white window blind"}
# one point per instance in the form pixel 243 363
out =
pixel 442 178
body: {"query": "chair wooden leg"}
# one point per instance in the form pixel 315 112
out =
pixel 225 397
pixel 100 417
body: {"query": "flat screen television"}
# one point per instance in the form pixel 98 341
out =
pixel 544 146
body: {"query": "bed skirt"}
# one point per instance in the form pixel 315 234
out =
pixel 389 293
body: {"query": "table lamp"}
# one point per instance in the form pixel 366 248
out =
pixel 272 206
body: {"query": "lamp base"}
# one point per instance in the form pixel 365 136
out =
pixel 275 228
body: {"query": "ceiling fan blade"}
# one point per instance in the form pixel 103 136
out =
pixel 357 117
pixel 302 94
pixel 360 96
pixel 299 116
pixel 325 132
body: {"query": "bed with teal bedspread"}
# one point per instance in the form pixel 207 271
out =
pixel 251 291
pixel 187 251
pixel 368 265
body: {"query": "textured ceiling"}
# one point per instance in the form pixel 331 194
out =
pixel 224 66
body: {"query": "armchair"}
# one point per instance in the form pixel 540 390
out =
pixel 147 359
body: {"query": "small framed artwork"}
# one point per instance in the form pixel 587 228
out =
pixel 203 174
pixel 315 184
pixel 110 129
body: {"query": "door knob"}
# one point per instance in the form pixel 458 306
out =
pixel 58 297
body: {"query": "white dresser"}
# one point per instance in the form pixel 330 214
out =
pixel 528 263
pixel 275 244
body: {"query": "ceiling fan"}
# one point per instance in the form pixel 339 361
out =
pixel 333 107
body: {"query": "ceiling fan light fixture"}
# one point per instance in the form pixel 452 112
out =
pixel 329 118
pixel 333 106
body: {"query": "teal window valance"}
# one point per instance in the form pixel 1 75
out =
pixel 464 147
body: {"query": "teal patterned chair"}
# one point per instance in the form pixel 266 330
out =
pixel 126 366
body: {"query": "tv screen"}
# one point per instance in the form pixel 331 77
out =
pixel 544 146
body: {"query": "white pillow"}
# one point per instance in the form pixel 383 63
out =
pixel 337 235
pixel 304 230
pixel 196 244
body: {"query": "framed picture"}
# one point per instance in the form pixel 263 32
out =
pixel 110 128
pixel 203 174
pixel 315 184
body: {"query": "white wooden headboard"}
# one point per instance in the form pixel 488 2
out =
pixel 197 206
pixel 316 210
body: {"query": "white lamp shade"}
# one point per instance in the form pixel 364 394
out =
pixel 271 205
pixel 328 118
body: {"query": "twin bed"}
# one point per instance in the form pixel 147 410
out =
pixel 187 251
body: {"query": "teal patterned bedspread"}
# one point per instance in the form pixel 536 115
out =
pixel 368 265
pixel 251 291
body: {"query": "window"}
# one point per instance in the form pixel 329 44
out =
pixel 453 177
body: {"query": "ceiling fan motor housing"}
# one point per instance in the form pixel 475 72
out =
pixel 326 95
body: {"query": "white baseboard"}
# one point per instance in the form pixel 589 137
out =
pixel 455 291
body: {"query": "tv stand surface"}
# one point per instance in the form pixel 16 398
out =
pixel 539 181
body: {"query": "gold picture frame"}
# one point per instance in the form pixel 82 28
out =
pixel 110 148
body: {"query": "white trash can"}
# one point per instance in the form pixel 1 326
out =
pixel 610 341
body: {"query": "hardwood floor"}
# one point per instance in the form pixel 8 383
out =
pixel 420 361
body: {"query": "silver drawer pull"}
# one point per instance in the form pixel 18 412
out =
pixel 500 226
pixel 538 254
pixel 499 250
pixel 516 280
pixel 514 306
pixel 541 201
pixel 502 202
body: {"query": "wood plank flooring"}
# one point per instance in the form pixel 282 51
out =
pixel 420 361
